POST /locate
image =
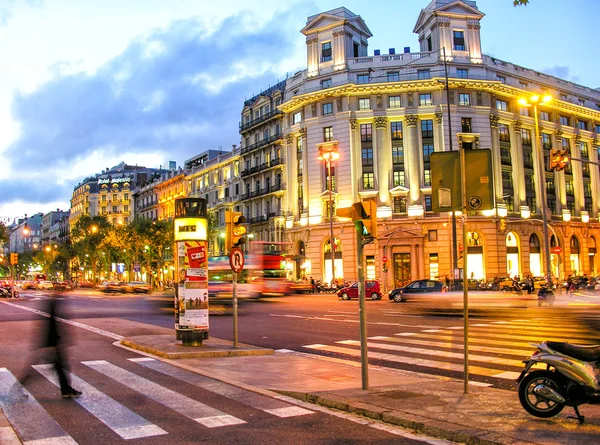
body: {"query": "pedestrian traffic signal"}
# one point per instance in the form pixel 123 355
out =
pixel 364 216
pixel 234 230
pixel 14 258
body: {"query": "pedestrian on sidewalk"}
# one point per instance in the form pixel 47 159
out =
pixel 54 344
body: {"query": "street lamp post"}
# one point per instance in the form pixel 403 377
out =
pixel 533 102
pixel 330 154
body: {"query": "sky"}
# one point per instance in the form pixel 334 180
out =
pixel 86 84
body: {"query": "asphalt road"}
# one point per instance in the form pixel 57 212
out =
pixel 124 397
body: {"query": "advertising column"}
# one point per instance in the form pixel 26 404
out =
pixel 191 263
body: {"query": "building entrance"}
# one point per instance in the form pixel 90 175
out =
pixel 402 275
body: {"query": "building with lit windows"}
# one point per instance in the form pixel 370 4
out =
pixel 215 176
pixel 384 114
pixel 263 165
pixel 110 193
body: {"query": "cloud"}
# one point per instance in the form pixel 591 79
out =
pixel 562 72
pixel 172 93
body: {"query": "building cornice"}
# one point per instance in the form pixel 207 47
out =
pixel 434 84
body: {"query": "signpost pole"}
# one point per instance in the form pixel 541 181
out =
pixel 235 312
pixel 364 358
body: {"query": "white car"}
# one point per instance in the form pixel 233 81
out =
pixel 45 285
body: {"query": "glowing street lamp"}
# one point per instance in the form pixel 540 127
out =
pixel 533 101
pixel 329 153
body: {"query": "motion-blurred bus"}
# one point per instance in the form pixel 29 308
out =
pixel 264 273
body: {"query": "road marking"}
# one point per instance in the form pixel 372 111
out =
pixel 438 353
pixel 29 419
pixel 254 400
pixel 453 343
pixel 117 417
pixel 70 322
pixel 199 412
pixel 487 372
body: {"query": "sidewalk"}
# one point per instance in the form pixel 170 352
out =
pixel 434 406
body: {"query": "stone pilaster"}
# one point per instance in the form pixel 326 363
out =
pixel 413 158
pixel 383 159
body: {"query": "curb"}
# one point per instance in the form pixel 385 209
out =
pixel 418 424
pixel 214 353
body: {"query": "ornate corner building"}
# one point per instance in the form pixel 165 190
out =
pixel 384 115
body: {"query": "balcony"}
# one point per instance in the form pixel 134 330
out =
pixel 248 125
pixel 262 143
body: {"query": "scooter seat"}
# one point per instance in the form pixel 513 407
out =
pixel 586 353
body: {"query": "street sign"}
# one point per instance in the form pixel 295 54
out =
pixel 557 250
pixel 384 259
pixel 236 259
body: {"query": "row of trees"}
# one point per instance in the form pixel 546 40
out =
pixel 96 244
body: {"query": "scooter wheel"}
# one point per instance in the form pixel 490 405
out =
pixel 535 404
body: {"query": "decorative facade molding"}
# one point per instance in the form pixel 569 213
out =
pixel 303 132
pixel 494 120
pixel 381 122
pixel 311 40
pixel 289 138
pixel 339 33
pixel 517 124
pixel 353 123
pixel 471 24
pixel 411 120
pixel 438 117
pixel 558 133
pixel 577 139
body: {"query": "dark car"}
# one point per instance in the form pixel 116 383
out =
pixel 372 291
pixel 416 287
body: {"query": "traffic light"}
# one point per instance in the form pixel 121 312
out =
pixel 234 230
pixel 559 159
pixel 14 258
pixel 563 161
pixel 364 216
pixel 370 219
pixel 554 158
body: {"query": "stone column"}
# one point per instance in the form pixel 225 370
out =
pixel 517 164
pixel 354 154
pixel 291 174
pixel 338 48
pixel 383 159
pixel 496 158
pixel 438 134
pixel 312 55
pixel 559 177
pixel 474 41
pixel 413 159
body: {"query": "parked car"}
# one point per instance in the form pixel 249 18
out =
pixel 28 285
pixel 416 287
pixel 136 287
pixel 372 291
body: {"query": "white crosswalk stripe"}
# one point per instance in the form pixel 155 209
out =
pixel 36 426
pixel 27 416
pixel 120 419
pixel 496 348
pixel 197 411
pixel 258 401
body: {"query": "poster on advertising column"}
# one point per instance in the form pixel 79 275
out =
pixel 193 284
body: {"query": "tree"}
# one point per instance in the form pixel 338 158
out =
pixel 87 235
pixel 3 234
pixel 520 2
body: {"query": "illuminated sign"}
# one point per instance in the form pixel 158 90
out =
pixel 191 229
pixel 114 180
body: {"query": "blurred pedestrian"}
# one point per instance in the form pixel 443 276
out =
pixel 54 343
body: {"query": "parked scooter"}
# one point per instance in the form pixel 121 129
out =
pixel 545 295
pixel 571 378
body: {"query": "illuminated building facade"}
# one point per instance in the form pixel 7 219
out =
pixel 385 114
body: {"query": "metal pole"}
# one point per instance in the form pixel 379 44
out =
pixel 454 234
pixel 12 284
pixel 463 181
pixel 364 358
pixel 544 207
pixel 235 312
pixel 331 240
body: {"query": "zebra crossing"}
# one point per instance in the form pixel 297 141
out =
pixel 496 348
pixel 35 425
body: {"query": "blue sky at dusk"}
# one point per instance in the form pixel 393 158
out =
pixel 85 85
